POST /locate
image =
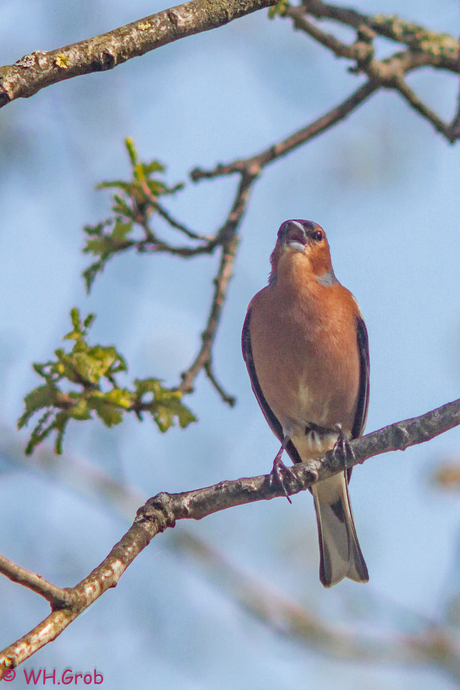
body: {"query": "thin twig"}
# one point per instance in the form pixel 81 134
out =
pixel 329 41
pixel 154 204
pixel 203 358
pixel 227 238
pixel 155 245
pixel 254 164
pixel 180 226
pixel 230 400
pixel 442 50
pixel 417 104
pixel 455 124
pixel 56 596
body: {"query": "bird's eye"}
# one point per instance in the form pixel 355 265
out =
pixel 318 235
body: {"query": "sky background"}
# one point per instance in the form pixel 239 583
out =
pixel 385 188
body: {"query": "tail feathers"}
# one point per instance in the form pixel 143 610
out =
pixel 338 543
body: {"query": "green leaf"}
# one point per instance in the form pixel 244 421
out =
pixel 93 368
pixel 121 397
pixel 99 245
pixel 80 329
pixel 121 230
pixel 115 184
pixel 60 424
pixel 75 318
pixel 153 166
pixel 133 202
pixel 90 273
pixel 41 432
pixel 278 9
pixel 80 411
pixel 88 322
pixel 121 207
pixel 96 229
pixel 166 406
pixel 43 396
pixel 138 172
pixel 166 413
pixel 131 148
pixel 149 385
pixel 106 411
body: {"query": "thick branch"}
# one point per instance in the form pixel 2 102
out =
pixel 163 510
pixel 40 69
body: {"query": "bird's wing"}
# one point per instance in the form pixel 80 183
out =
pixel 363 393
pixel 269 415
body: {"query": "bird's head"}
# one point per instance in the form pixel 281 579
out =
pixel 304 244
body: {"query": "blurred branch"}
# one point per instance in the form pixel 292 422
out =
pixel 227 238
pixel 294 621
pixel 34 72
pixel 251 168
pixel 163 510
pixel 441 50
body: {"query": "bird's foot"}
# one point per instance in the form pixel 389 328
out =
pixel 342 449
pixel 280 473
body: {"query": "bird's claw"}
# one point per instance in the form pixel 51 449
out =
pixel 342 449
pixel 279 474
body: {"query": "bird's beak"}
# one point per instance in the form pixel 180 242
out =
pixel 293 235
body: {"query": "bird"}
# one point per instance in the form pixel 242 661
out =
pixel 305 346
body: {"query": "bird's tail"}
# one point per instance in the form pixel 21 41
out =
pixel 338 543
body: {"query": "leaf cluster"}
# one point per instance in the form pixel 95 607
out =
pixel 133 202
pixel 88 373
pixel 278 10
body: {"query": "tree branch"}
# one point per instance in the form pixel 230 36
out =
pixel 425 49
pixel 56 596
pixel 253 165
pixel 296 622
pixel 163 510
pixel 34 72
pixel 227 238
pixel 442 49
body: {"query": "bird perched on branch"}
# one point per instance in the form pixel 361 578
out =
pixel 306 350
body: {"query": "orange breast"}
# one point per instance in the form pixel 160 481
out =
pixel 305 351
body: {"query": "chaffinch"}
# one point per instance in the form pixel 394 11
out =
pixel 306 350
